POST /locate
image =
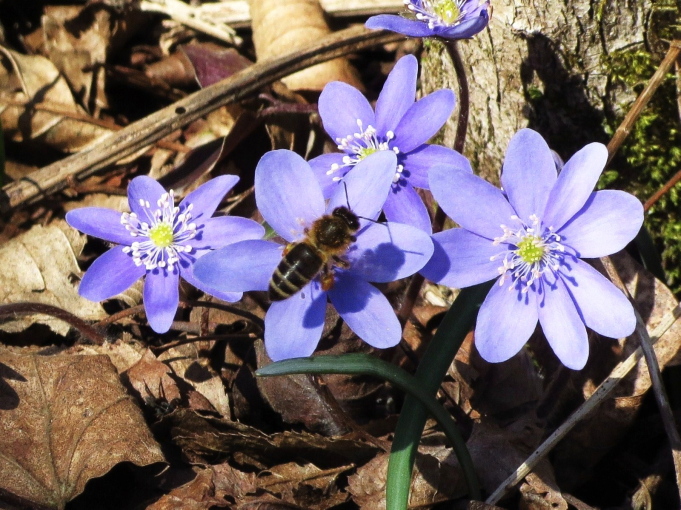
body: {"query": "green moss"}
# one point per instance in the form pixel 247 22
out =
pixel 651 155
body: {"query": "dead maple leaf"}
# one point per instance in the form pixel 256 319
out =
pixel 68 420
pixel 37 267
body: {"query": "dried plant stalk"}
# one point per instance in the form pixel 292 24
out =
pixel 282 26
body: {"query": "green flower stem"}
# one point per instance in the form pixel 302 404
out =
pixel 364 364
pixel 429 375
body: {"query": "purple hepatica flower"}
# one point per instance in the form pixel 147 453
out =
pixel 291 201
pixel 449 19
pixel 399 125
pixel 532 238
pixel 160 240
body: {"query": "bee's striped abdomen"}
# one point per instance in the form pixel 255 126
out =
pixel 296 269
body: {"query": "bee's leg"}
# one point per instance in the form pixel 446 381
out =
pixel 287 249
pixel 327 278
pixel 340 262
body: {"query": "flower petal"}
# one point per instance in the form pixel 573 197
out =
pixel 609 220
pixel 294 326
pixel 467 28
pixel 207 197
pixel 109 275
pixel 603 307
pixel 418 163
pixel 562 326
pixel 187 272
pixel 340 107
pixel 529 174
pixel 366 186
pixel 366 311
pixel 461 259
pixel 321 166
pixel 397 95
pixel 472 202
pixel 385 252
pixel 404 205
pixel 161 297
pixel 423 120
pixel 223 230
pixel 239 267
pixel 287 193
pixel 100 222
pixel 506 320
pixel 400 25
pixel 146 189
pixel 575 184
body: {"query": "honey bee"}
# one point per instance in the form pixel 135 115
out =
pixel 325 242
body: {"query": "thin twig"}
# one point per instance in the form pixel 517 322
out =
pixel 642 100
pixel 603 390
pixel 148 130
pixel 662 191
pixel 14 309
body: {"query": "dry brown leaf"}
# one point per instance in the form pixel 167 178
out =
pixel 298 399
pixel 199 494
pixel 151 378
pixel 38 267
pixel 210 394
pixel 63 421
pixel 36 103
pixel 433 481
pixel 305 485
pixel 203 437
pixel 303 23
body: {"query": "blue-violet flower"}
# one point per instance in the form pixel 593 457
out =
pixel 159 240
pixel 531 237
pixel 290 199
pixel 399 125
pixel 449 19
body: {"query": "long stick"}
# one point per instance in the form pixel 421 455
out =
pixel 146 131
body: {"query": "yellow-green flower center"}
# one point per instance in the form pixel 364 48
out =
pixel 366 151
pixel 531 249
pixel 162 235
pixel 447 10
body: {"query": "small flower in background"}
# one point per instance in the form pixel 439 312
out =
pixel 531 237
pixel 449 19
pixel 400 125
pixel 159 240
pixel 291 201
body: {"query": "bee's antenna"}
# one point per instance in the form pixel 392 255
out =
pixel 347 201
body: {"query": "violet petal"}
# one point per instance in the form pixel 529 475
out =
pixel 287 193
pixel 529 174
pixel 294 326
pixel 404 205
pixel 385 252
pixel 223 230
pixel 100 222
pixel 609 220
pixel 563 326
pixel 239 267
pixel 161 297
pixel 461 259
pixel 110 274
pixel 366 311
pixel 146 189
pixel 340 107
pixel 423 120
pixel 505 322
pixel 418 163
pixel 207 197
pixel 397 95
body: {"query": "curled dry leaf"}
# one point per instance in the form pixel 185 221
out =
pixel 63 421
pixel 36 103
pixel 199 494
pixel 282 26
pixel 38 266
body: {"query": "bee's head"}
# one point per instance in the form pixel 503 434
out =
pixel 349 217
